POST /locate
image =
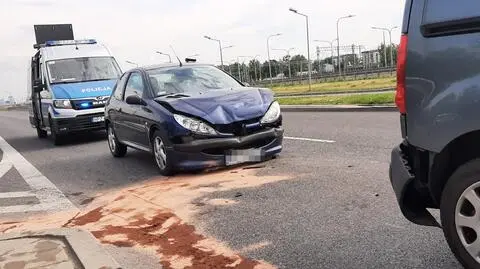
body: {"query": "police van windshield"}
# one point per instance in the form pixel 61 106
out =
pixel 82 69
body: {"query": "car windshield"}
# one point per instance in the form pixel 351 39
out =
pixel 191 79
pixel 82 69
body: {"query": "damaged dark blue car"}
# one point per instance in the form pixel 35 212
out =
pixel 192 117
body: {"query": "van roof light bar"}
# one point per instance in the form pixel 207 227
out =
pixel 53 43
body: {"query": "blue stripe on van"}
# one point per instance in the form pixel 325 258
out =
pixel 82 89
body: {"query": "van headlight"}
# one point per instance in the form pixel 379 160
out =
pixel 194 125
pixel 273 113
pixel 65 104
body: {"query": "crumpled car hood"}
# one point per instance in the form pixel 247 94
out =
pixel 224 106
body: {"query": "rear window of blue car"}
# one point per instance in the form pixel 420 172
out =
pixel 448 10
pixel 190 79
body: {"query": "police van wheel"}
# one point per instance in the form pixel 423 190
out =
pixel 116 148
pixel 41 133
pixel 57 139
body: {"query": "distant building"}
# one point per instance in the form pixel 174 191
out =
pixel 371 58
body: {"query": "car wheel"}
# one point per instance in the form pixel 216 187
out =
pixel 116 148
pixel 460 213
pixel 160 154
pixel 41 133
pixel 57 139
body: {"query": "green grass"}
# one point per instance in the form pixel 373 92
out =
pixel 354 99
pixel 353 85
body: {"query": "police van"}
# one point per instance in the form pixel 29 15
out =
pixel 69 82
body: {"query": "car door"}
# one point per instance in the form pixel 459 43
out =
pixel 135 130
pixel 115 103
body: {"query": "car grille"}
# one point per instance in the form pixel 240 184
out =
pixel 241 128
pixel 254 144
pixel 89 103
pixel 82 122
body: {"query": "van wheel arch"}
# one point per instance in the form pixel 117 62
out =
pixel 458 152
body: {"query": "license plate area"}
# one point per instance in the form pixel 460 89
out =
pixel 238 156
pixel 98 119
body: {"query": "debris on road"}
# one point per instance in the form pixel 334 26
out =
pixel 159 215
pixel 87 201
pixel 238 194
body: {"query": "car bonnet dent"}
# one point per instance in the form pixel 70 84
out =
pixel 224 106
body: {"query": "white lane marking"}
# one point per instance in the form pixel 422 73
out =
pixel 16 194
pixel 50 197
pixel 309 139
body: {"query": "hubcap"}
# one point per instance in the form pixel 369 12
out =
pixel 160 153
pixel 111 139
pixel 467 220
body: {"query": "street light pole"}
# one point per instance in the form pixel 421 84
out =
pixel 287 51
pixel 132 63
pixel 338 42
pixel 169 58
pixel 308 48
pixel 268 54
pixel 390 36
pixel 219 46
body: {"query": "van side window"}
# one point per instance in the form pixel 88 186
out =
pixel 447 10
pixel 135 85
pixel 119 86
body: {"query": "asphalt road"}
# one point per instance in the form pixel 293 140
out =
pixel 337 211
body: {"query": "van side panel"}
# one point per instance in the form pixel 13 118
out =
pixel 443 75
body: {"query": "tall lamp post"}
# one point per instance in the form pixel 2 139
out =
pixel 390 36
pixel 338 42
pixel 220 47
pixel 169 58
pixel 331 46
pixel 268 54
pixel 132 63
pixel 287 51
pixel 308 48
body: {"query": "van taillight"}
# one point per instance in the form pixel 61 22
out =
pixel 401 75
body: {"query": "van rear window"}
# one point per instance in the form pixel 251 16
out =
pixel 448 10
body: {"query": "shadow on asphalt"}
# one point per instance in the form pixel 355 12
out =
pixel 33 143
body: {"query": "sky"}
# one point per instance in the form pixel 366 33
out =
pixel 134 30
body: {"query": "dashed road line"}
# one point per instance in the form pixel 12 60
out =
pixel 308 139
pixel 50 197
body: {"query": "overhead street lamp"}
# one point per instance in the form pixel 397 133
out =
pixel 132 63
pixel 391 44
pixel 331 46
pixel 338 42
pixel 308 49
pixel 220 46
pixel 169 58
pixel 287 51
pixel 268 54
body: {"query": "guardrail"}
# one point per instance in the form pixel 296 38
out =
pixel 326 77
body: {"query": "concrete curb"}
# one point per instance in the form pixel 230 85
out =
pixel 83 245
pixel 336 108
pixel 306 94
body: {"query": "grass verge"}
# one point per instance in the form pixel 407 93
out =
pixel 354 99
pixel 352 85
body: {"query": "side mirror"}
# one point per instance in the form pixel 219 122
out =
pixel 38 85
pixel 135 100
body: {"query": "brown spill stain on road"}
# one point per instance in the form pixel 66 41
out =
pixel 159 215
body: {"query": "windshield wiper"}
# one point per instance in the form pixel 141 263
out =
pixel 173 95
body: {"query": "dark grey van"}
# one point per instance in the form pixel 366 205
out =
pixel 438 95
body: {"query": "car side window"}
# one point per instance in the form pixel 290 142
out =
pixel 118 91
pixel 135 85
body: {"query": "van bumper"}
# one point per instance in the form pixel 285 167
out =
pixel 411 201
pixel 80 123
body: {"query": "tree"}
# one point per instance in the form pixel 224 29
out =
pixel 254 69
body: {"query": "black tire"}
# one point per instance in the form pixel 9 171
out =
pixel 165 167
pixel 57 138
pixel 462 179
pixel 41 133
pixel 117 149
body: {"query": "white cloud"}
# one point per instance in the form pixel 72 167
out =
pixel 134 30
